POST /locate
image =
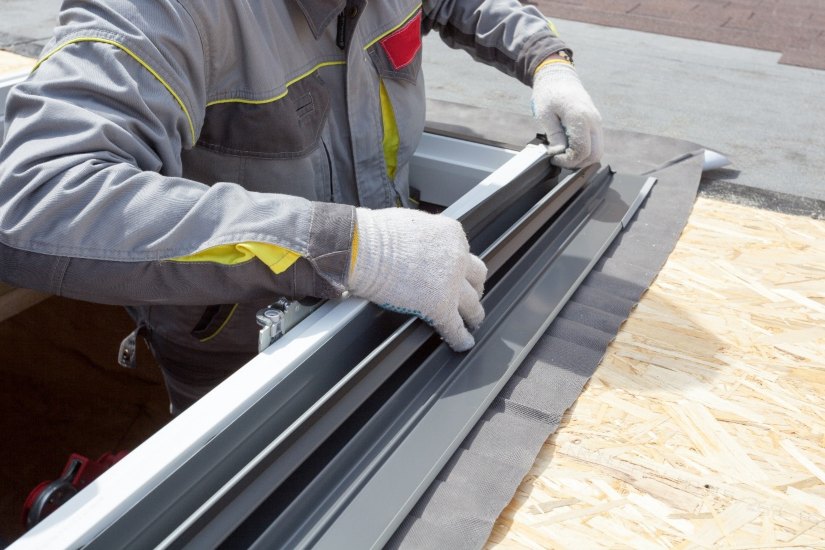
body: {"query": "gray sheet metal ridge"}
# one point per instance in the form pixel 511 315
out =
pixel 310 515
pixel 485 370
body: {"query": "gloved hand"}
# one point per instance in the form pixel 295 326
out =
pixel 567 114
pixel 420 264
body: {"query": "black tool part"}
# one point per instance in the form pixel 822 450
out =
pixel 54 495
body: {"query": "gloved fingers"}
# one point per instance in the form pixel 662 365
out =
pixel 476 274
pixel 469 306
pixel 453 331
pixel 596 145
pixel 579 145
pixel 556 137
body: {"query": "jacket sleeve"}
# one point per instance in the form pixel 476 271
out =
pixel 92 205
pixel 501 33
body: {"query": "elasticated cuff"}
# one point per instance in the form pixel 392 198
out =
pixel 330 242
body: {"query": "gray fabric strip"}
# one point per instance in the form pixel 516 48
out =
pixel 460 508
pixel 330 243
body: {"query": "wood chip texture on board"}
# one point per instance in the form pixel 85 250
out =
pixel 704 426
pixel 13 63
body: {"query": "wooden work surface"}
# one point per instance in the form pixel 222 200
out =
pixel 704 426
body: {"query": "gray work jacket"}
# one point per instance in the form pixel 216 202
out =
pixel 152 130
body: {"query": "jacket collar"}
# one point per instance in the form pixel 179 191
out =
pixel 319 13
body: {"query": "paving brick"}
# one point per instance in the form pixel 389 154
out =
pixel 816 21
pixel 713 14
pixel 785 15
pixel 802 4
pixel 707 16
pixel 664 9
pixel 798 36
pixel 740 3
pixel 812 56
pixel 564 8
pixel 619 6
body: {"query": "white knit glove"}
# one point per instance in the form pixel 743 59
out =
pixel 564 109
pixel 420 264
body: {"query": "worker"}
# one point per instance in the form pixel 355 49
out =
pixel 193 160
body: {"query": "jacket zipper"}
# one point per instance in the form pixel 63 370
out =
pixel 329 171
pixel 341 33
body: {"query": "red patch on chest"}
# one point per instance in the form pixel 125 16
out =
pixel 402 45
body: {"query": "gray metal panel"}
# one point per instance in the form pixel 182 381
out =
pixel 392 491
pixel 444 168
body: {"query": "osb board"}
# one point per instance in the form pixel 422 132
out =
pixel 12 63
pixel 704 426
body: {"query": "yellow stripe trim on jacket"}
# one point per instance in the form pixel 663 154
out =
pixel 276 258
pixel 547 62
pixel 391 139
pixel 281 95
pixel 223 325
pixel 395 28
pixel 553 28
pixel 354 255
pixel 134 56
